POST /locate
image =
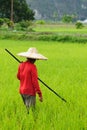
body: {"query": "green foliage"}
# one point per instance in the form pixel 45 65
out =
pixel 26 25
pixel 1 21
pixel 67 18
pixel 6 21
pixel 40 22
pixel 21 10
pixel 23 25
pixel 10 24
pixel 26 30
pixel 79 25
pixel 41 36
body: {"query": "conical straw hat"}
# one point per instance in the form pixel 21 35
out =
pixel 33 54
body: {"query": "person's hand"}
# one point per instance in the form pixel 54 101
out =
pixel 40 99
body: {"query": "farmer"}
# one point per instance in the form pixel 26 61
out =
pixel 27 74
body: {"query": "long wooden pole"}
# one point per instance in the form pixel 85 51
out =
pixel 39 79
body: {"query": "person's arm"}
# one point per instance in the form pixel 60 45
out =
pixel 35 82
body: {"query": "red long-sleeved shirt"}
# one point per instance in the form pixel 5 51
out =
pixel 27 74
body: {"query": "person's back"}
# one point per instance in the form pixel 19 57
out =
pixel 25 76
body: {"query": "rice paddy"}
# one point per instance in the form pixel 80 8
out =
pixel 65 71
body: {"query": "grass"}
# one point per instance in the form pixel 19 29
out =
pixel 65 72
pixel 60 28
pixel 52 32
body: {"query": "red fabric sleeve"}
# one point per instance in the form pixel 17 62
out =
pixel 35 81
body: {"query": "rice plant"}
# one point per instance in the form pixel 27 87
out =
pixel 65 71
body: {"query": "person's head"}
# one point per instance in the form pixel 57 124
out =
pixel 31 60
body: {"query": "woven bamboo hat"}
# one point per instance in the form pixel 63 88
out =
pixel 33 54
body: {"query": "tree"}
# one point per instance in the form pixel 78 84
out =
pixel 12 10
pixel 1 22
pixel 21 10
pixel 79 25
pixel 67 18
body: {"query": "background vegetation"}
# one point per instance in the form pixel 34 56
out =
pixel 18 9
pixel 28 30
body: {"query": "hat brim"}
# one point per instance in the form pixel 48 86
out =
pixel 32 55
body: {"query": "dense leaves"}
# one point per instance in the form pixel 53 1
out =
pixel 21 11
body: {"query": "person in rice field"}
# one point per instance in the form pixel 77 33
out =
pixel 28 76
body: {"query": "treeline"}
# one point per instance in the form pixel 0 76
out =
pixel 18 8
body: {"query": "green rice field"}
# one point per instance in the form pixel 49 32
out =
pixel 61 28
pixel 65 71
